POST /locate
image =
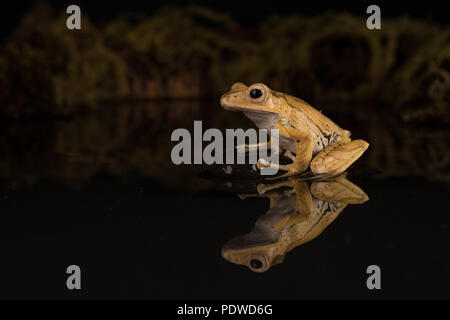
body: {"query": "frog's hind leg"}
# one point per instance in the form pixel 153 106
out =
pixel 338 156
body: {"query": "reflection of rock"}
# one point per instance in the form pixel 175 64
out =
pixel 120 140
pixel 296 215
pixel 128 139
pixel 123 139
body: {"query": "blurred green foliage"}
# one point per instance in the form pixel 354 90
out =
pixel 181 52
pixel 421 88
pixel 46 68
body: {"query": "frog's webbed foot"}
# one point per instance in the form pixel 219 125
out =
pixel 337 157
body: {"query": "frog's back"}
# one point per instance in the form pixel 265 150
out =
pixel 326 125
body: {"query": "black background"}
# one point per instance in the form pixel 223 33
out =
pixel 245 12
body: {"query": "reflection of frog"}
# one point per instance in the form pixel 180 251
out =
pixel 296 215
pixel 308 137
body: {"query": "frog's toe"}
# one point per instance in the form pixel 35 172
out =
pixel 261 188
pixel 263 164
pixel 291 171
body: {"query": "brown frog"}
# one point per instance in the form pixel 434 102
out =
pixel 296 215
pixel 308 137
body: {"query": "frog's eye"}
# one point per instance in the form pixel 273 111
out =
pixel 257 92
pixel 256 264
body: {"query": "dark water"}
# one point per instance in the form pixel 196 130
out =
pixel 99 191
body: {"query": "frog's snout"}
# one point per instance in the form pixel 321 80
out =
pixel 226 100
pixel 223 100
pixel 233 98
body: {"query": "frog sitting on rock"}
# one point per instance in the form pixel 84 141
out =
pixel 308 137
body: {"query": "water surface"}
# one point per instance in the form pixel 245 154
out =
pixel 98 190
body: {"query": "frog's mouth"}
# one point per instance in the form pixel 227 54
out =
pixel 255 238
pixel 248 110
pixel 262 118
pixel 250 250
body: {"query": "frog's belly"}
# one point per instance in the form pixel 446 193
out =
pixel 287 143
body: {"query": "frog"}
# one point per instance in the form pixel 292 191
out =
pixel 308 138
pixel 299 211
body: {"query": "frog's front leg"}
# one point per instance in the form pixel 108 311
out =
pixel 273 197
pixel 304 149
pixel 338 156
pixel 253 146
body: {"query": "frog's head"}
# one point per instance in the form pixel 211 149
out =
pixel 256 255
pixel 256 98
